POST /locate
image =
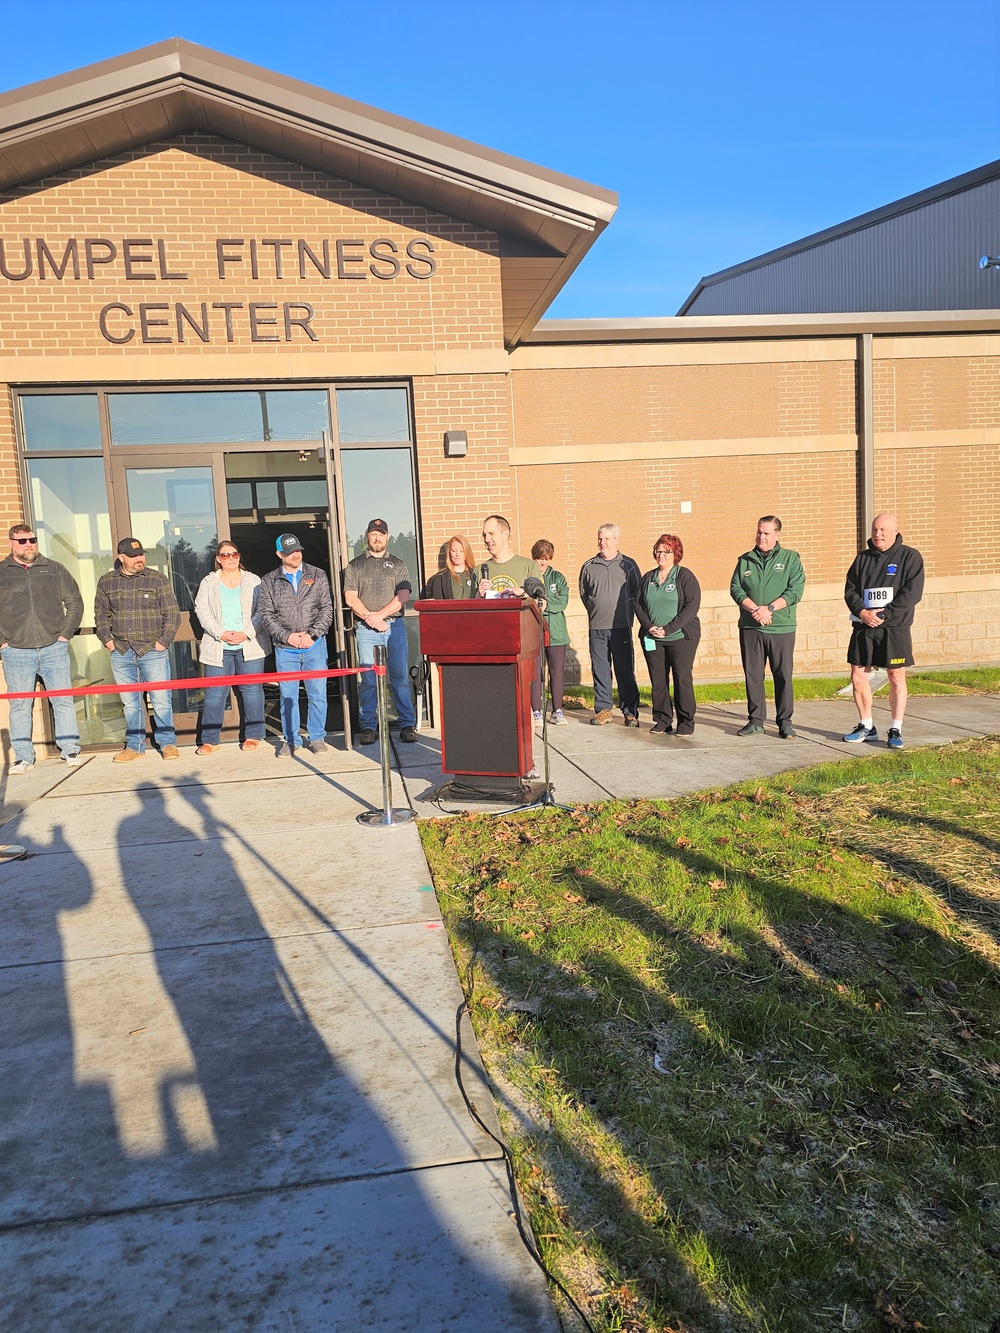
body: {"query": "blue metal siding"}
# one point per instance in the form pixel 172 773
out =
pixel 924 259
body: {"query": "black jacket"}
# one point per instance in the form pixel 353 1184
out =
pixel 688 604
pixel 441 586
pixel 900 569
pixel 39 603
pixel 283 610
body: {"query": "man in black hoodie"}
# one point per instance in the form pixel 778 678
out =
pixel 883 587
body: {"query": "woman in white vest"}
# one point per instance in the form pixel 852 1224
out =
pixel 232 646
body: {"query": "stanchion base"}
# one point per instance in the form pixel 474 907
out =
pixel 12 851
pixel 379 819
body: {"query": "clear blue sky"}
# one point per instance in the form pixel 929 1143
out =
pixel 728 127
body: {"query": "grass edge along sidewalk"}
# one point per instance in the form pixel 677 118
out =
pixel 745 1043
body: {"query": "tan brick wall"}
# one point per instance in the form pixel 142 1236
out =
pixel 11 505
pixel 196 189
pixel 939 393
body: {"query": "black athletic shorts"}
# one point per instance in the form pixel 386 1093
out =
pixel 883 648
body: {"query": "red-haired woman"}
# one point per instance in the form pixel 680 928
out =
pixel 458 580
pixel 667 611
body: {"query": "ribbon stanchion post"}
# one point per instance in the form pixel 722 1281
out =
pixel 387 817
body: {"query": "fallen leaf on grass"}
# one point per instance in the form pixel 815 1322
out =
pixel 716 885
pixel 683 842
pixel 955 782
pixel 945 987
pixel 573 897
pixel 527 934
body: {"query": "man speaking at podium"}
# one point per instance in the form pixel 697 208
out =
pixel 506 574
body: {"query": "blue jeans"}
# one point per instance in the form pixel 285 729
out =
pixel 214 707
pixel 302 659
pixel 614 647
pixel 21 666
pixel 129 669
pixel 399 673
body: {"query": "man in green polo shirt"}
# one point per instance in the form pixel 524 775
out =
pixel 767 584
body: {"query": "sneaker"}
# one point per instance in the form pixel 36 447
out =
pixel 557 719
pixel 787 732
pixel 861 733
pixel 284 751
pixel 171 752
pixel 318 747
pixel 662 726
pixel 751 729
pixel 367 737
pixel 895 739
pixel 126 756
pixel 631 720
pixel 408 734
pixel 536 713
pixel 20 766
pixel 602 718
pixel 73 760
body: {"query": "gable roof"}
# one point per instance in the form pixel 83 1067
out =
pixel 546 221
pixel 921 252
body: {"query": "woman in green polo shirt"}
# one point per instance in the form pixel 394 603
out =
pixel 556 601
pixel 669 630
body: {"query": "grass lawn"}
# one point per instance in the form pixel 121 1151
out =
pixel 746 1044
pixel 971 680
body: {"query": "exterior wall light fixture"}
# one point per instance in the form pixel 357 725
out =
pixel 456 443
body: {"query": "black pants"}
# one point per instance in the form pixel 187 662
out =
pixel 556 655
pixel 607 647
pixel 776 651
pixel 676 659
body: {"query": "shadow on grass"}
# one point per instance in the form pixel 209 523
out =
pixel 808 1145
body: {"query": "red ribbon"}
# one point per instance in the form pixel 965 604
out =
pixel 196 682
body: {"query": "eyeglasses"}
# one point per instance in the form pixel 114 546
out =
pixel 229 555
pixel 25 541
pixel 658 553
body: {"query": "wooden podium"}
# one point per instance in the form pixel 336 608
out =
pixel 486 651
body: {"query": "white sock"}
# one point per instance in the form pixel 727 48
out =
pixel 897 722
pixel 867 722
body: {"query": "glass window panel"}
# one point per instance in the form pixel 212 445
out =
pixel 187 418
pixel 280 464
pixel 305 494
pixel 296 414
pixel 378 483
pixel 69 500
pixel 373 415
pixel 69 422
pixel 172 512
pixel 267 495
pixel 239 494
pixel 100 716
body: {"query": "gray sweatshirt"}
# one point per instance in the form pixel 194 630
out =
pixel 609 590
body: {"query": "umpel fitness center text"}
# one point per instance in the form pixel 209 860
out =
pixel 241 259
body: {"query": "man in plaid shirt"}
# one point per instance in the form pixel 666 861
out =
pixel 137 617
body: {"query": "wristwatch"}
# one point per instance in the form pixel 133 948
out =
pixel 770 606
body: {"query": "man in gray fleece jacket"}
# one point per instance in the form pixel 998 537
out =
pixel 609 587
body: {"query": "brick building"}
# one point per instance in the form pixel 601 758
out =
pixel 232 304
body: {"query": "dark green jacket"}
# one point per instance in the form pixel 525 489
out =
pixel 556 602
pixel 764 581
pixel 39 603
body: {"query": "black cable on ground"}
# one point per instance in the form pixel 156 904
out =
pixel 505 1153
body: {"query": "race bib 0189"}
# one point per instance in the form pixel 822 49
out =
pixel 876 598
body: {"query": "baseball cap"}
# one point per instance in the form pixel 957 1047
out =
pixel 287 543
pixel 378 525
pixel 131 546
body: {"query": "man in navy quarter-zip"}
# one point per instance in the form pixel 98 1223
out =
pixel 884 585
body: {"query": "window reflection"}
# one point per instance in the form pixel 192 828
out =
pixel 378 483
pixel 218 417
pixel 173 514
pixel 372 415
pixel 69 501
pixel 67 422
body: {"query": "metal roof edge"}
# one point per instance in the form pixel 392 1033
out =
pixel 677 328
pixel 955 185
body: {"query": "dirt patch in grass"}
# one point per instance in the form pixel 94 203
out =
pixel 745 1043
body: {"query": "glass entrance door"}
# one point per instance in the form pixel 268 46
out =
pixel 172 511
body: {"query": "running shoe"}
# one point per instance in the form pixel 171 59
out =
pixel 861 733
pixel 895 739
pixel 557 719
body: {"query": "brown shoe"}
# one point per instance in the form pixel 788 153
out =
pixel 171 752
pixel 202 749
pixel 126 756
pixel 602 718
pixel 249 745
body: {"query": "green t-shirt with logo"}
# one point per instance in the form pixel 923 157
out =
pixel 661 602
pixel 512 573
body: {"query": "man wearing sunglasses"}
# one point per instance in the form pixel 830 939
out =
pixel 40 611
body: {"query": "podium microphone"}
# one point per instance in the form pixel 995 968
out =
pixel 484 571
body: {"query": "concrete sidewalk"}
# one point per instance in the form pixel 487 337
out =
pixel 227 1096
pixel 596 763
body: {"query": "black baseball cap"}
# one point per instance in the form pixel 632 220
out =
pixel 287 543
pixel 378 525
pixel 131 546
